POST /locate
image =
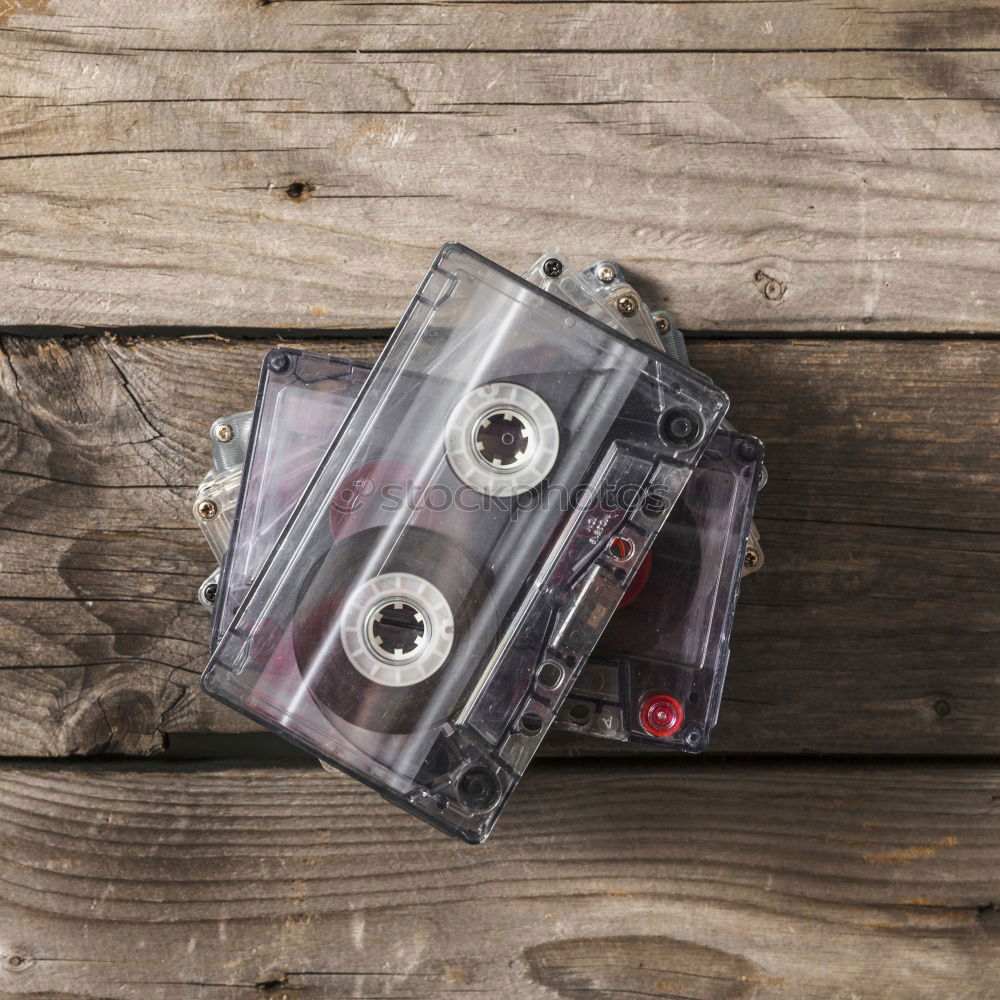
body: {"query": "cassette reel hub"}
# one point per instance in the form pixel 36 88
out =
pixel 397 629
pixel 502 439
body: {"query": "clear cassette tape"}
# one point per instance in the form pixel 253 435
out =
pixel 669 638
pixel 657 673
pixel 464 542
pixel 661 683
pixel 302 399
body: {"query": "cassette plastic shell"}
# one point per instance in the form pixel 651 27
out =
pixel 668 642
pixel 668 649
pixel 681 650
pixel 672 639
pixel 529 583
pixel 302 399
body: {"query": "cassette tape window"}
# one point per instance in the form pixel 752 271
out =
pixel 464 542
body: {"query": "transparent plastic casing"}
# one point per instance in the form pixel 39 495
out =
pixel 464 542
pixel 301 403
pixel 302 399
pixel 216 499
pixel 658 672
pixel 668 638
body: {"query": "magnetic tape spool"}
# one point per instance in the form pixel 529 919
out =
pixel 398 634
pixel 502 439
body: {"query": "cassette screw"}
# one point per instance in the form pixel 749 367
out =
pixel 662 326
pixel 606 273
pixel 211 592
pixel 552 267
pixel 278 363
pixel 477 788
pixel 680 427
pixel 224 433
pixel 751 560
pixel 207 509
pixel 627 305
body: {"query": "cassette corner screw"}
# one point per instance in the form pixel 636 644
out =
pixel 211 592
pixel 627 305
pixel 224 433
pixel 606 273
pixel 278 363
pixel 553 267
pixel 751 559
pixel 662 325
pixel 207 509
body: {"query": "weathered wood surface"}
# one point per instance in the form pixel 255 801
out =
pixel 873 629
pixel 318 26
pixel 295 164
pixel 702 881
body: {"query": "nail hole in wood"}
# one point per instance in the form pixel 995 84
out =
pixel 299 190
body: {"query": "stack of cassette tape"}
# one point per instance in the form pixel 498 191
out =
pixel 528 513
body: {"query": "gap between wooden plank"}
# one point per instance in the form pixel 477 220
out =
pixel 192 333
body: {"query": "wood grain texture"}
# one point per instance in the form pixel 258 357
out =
pixel 874 628
pixel 147 152
pixel 673 879
pixel 314 26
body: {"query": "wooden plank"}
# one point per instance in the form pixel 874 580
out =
pixel 268 166
pixel 873 628
pixel 719 881
pixel 551 25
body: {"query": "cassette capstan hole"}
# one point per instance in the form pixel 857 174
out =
pixel 621 549
pixel 530 724
pixel 551 674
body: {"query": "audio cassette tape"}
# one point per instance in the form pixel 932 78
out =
pixel 301 403
pixel 670 636
pixel 302 399
pixel 657 674
pixel 464 541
